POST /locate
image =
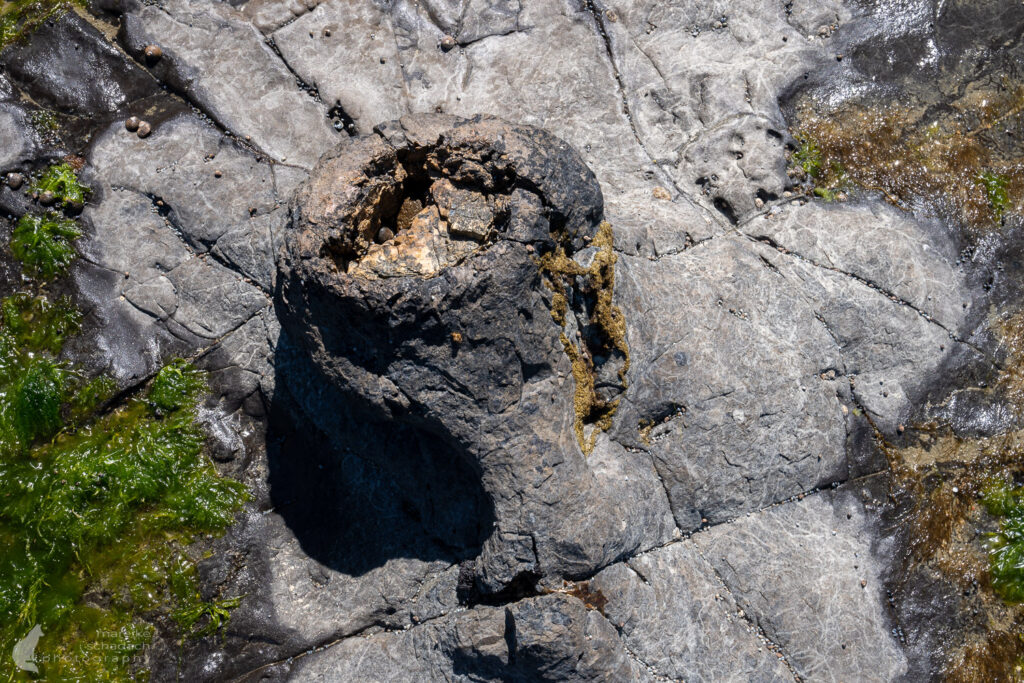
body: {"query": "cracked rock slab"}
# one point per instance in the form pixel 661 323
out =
pixel 549 638
pixel 880 245
pixel 140 280
pixel 220 62
pixel 809 573
pixel 676 616
pixel 219 196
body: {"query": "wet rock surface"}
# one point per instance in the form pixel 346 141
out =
pixel 487 436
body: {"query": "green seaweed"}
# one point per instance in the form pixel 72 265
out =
pixel 808 155
pixel 99 504
pixel 1006 546
pixel 44 243
pixel 996 190
pixel 37 323
pixel 62 181
pixel 175 386
pixel 109 507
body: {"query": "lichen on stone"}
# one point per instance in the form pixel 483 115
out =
pixel 605 330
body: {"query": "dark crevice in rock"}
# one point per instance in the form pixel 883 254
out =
pixel 725 208
pixel 522 586
pixel 308 88
pixel 343 123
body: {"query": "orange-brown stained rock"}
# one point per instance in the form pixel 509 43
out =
pixel 419 250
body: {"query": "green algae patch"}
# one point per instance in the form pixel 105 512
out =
pixel 964 509
pixel 62 181
pixel 103 513
pixel 44 243
pixel 604 337
pixel 939 158
pixel 101 496
pixel 1006 546
pixel 37 323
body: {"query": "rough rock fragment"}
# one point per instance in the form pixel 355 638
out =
pixel 502 399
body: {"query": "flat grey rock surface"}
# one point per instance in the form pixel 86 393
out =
pixel 422 507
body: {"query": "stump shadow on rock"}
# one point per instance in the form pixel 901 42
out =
pixel 357 492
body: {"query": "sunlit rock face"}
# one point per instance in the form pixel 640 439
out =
pixel 415 439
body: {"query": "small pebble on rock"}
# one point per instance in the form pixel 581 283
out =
pixel 15 180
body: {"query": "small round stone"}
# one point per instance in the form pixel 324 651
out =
pixel 448 43
pixel 132 123
pixel 384 234
pixel 153 52
pixel 46 198
pixel 144 129
pixel 15 180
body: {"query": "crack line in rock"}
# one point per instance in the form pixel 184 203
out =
pixel 588 6
pixel 771 644
pixel 764 239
